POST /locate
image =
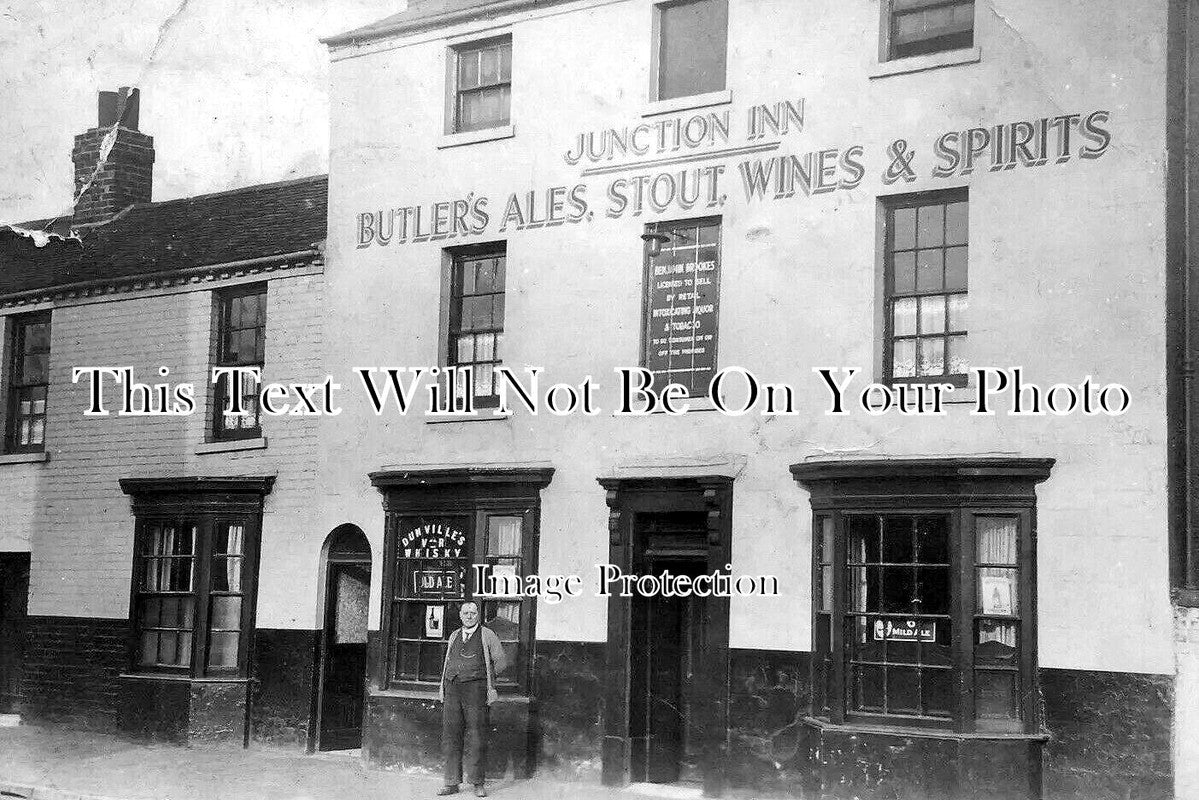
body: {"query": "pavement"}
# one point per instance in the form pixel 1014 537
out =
pixel 53 763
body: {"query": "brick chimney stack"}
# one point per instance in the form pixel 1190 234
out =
pixel 124 176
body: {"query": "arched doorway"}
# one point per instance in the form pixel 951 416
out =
pixel 347 574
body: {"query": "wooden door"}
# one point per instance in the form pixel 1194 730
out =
pixel 343 671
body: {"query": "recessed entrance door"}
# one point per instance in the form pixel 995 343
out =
pixel 668 654
pixel 343 662
pixel 674 656
pixel 14 598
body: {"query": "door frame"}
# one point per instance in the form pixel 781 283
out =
pixel 331 559
pixel 626 498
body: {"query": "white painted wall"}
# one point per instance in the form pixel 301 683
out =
pixel 1066 280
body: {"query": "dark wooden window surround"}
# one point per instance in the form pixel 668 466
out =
pixel 924 601
pixel 439 523
pixel 195 569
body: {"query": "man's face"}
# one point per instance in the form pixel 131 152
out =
pixel 469 614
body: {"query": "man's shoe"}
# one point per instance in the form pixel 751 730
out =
pixel 480 791
pixel 447 790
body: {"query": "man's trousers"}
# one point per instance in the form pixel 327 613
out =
pixel 464 722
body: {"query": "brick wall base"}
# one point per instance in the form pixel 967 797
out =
pixel 71 668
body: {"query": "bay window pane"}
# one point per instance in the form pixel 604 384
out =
pixel 997 540
pixel 998 592
pixel 995 695
pixel 225 614
pixel 996 642
pixel 503 536
pixel 903 690
pixel 938 692
pixel 868 688
pixel 222 649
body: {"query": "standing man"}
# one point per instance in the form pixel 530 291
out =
pixel 473 657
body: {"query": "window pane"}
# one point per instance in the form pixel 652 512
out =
pixel 225 614
pixel 898 590
pixel 826 593
pixel 932 540
pixel 35 368
pixel 930 222
pixel 863 539
pixel 957 224
pixel 903 690
pixel 997 540
pixel 998 592
pixel 468 69
pixel 898 539
pixel 504 620
pixel 905 228
pixel 959 355
pixel 861 579
pixel 431 657
pixel 485 350
pixel 489 66
pixel 868 683
pixel 903 361
pixel 955 268
pixel 929 266
pixel 506 61
pixel 148 651
pixel 904 317
pixel 938 692
pixel 932 356
pixel 466 349
pixel 933 590
pixel 692 48
pixel 826 535
pixel 957 312
pixel 995 694
pixel 222 649
pixel 503 536
pixel 997 642
pixel 932 314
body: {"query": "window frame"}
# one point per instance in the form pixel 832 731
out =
pixel 887 39
pixel 18 331
pixel 890 204
pixel 205 504
pixel 473 495
pixel 657 54
pixel 455 92
pixel 647 277
pixel 223 304
pixel 457 259
pixel 963 491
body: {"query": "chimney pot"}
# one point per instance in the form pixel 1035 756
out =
pixel 111 104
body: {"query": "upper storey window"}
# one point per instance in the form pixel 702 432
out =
pixel 28 383
pixel 691 47
pixel 241 342
pixel 482 85
pixel 918 27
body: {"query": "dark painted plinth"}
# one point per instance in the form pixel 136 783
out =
pixel 1111 735
pixel 405 731
pixel 71 668
pixel 182 711
pixel 283 686
pixel 769 692
pixel 867 766
pixel 569 680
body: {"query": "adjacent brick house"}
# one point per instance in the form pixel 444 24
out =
pixel 147 532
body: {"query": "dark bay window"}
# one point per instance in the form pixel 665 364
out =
pixel 680 308
pixel 924 592
pixel 476 318
pixel 917 27
pixel 482 93
pixel 241 342
pixel 28 385
pixel 467 517
pixel 691 47
pixel 925 261
pixel 194 568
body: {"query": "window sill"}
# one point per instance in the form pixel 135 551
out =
pixel 904 66
pixel 901 731
pixel 231 446
pixel 484 415
pixel 693 101
pixel 175 678
pixel 24 458
pixel 475 137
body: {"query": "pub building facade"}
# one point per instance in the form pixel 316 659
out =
pixel 975 602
